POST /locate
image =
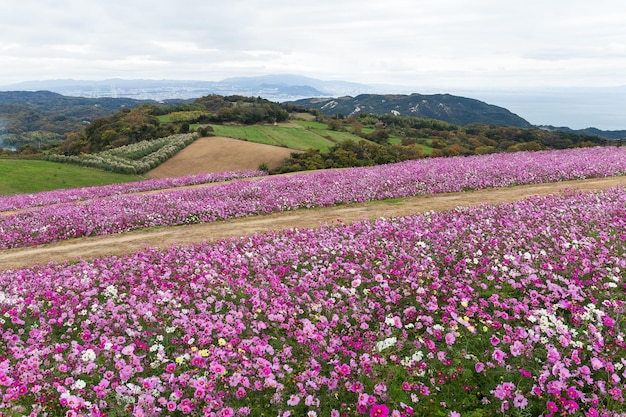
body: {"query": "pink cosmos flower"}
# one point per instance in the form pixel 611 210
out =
pixel 596 363
pixel 171 405
pixel 572 393
pixel 227 412
pixel 344 369
pixel 520 401
pixel 552 407
pixel 504 390
pixel 379 410
pixel 498 356
pixel 592 412
pixel 516 348
pixel 293 400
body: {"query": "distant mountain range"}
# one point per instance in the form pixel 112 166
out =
pixel 334 96
pixel 270 87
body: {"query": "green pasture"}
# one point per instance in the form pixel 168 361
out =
pixel 297 135
pixel 165 118
pixel 311 124
pixel 24 176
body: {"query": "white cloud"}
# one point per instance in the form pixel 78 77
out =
pixel 445 43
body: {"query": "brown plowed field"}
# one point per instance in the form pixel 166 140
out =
pixel 219 154
pixel 180 235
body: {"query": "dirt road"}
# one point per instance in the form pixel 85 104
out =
pixel 120 244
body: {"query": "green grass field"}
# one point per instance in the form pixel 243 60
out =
pixel 298 135
pixel 20 176
pixel 294 135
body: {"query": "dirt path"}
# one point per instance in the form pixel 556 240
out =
pixel 120 244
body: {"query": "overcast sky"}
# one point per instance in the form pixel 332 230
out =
pixel 441 44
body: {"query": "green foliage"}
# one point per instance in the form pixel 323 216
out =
pixel 42 117
pixel 349 154
pixel 125 127
pixel 22 176
pixel 263 166
pixel 463 140
pixel 246 110
pixel 181 116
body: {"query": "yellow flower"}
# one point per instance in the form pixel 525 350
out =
pixel 221 341
pixel 204 353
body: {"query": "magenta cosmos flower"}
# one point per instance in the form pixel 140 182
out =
pixel 379 410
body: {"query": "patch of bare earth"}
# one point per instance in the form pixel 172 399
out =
pixel 220 154
pixel 120 244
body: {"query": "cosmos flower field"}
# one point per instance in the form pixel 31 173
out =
pixel 47 198
pixel 124 212
pixel 516 309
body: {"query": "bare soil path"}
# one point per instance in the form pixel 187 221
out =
pixel 120 244
pixel 220 154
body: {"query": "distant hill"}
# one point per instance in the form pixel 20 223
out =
pixel 608 134
pixel 42 116
pixel 77 107
pixel 446 107
pixel 276 88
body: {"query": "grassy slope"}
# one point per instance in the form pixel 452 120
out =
pixel 300 135
pixel 19 176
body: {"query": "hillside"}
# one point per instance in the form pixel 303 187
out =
pixel 42 116
pixel 608 134
pixel 446 107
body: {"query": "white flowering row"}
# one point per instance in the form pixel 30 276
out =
pixel 136 158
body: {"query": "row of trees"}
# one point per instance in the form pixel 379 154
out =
pixel 349 153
